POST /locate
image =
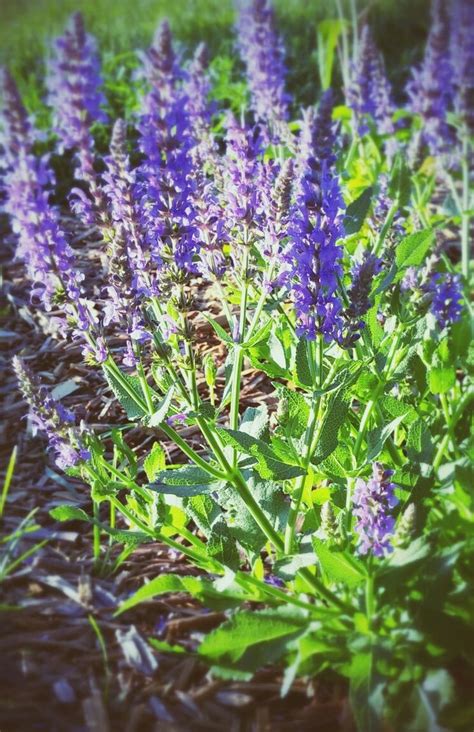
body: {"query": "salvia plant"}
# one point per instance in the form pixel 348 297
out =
pixel 318 248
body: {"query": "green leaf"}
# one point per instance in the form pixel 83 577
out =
pixel 269 465
pixel 184 482
pixel 68 513
pixel 362 688
pixel 302 368
pixel 222 546
pixel 162 410
pixel 254 421
pixel 164 647
pixel 219 330
pixel 204 511
pixel 377 438
pixel 441 379
pixel 339 566
pixel 245 629
pixel 393 407
pixel 132 400
pixel 357 211
pixel 260 335
pixel 154 461
pixel 240 521
pixel 333 419
pixel 412 249
pixel 209 593
pixel 328 34
pixel 295 416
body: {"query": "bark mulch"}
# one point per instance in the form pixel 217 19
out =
pixel 66 662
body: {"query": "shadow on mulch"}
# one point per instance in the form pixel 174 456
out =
pixel 66 663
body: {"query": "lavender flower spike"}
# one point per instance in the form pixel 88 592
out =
pixel 74 94
pixel 74 83
pixel 446 304
pixel 370 92
pixel 52 418
pixel 463 61
pixel 312 259
pixel 431 88
pixel 373 500
pixel 15 129
pixel 262 53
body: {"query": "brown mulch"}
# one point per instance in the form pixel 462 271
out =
pixel 54 674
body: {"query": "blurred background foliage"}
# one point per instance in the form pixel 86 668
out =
pixel 122 25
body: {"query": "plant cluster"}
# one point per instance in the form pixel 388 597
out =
pixel 324 234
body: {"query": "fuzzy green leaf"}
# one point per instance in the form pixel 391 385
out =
pixel 154 461
pixel 357 211
pixel 131 399
pixel 339 566
pixel 412 249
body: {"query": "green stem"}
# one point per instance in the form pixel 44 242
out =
pixel 197 557
pixel 96 532
pixel 189 452
pixel 465 217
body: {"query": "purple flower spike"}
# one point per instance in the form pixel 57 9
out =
pixel 196 90
pixel 52 418
pixel 312 259
pixel 370 92
pixel 74 83
pixel 262 52
pixel 16 133
pixel 463 61
pixel 74 95
pixel 373 500
pixel 446 304
pixel 431 89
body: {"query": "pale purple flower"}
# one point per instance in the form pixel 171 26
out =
pixel 262 52
pixel 370 93
pixel 312 259
pixel 431 88
pixel 373 500
pixel 462 50
pixel 16 132
pixel 73 83
pixel 52 418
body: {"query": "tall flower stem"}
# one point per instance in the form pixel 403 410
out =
pixel 371 404
pixel 465 215
pixel 316 359
pixel 238 351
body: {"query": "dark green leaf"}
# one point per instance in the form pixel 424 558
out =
pixel 412 249
pixel 339 566
pixel 357 211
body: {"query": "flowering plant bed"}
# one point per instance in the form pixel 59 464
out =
pixel 273 300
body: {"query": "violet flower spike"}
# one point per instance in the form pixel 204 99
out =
pixel 462 49
pixel 16 132
pixel 373 501
pixel 52 418
pixel 431 89
pixel 370 92
pixel 262 52
pixel 74 95
pixel 312 259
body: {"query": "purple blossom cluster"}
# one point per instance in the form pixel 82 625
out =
pixel 442 290
pixel 73 83
pixel 49 415
pixel 443 83
pixel 263 55
pixel 447 297
pixel 370 93
pixel 373 500
pixel 431 87
pixel 313 256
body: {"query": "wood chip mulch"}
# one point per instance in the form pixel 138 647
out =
pixel 56 673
